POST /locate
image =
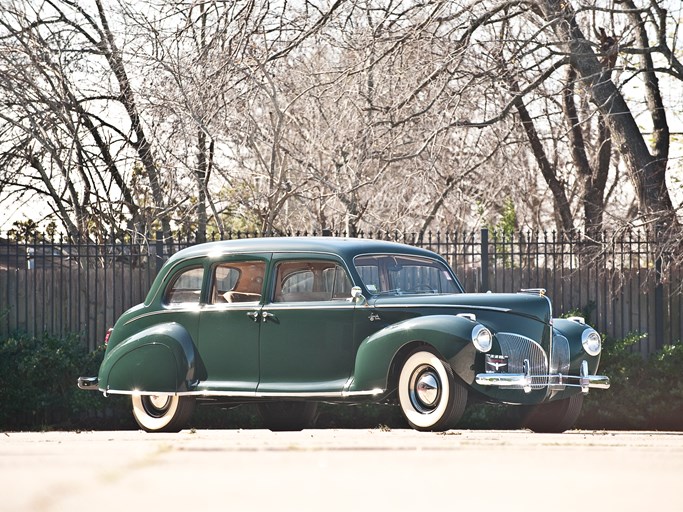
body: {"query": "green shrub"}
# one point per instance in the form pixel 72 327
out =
pixel 644 393
pixel 38 384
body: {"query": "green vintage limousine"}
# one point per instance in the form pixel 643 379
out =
pixel 288 323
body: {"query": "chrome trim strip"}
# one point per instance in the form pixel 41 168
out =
pixel 280 306
pixel 466 306
pixel 153 313
pixel 251 394
pixel 248 306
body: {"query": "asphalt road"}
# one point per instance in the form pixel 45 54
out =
pixel 340 470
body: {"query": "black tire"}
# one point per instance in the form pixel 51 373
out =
pixel 288 416
pixel 162 413
pixel 431 397
pixel 555 417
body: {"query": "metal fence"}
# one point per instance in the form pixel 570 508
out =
pixel 64 288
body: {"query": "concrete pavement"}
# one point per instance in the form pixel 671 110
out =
pixel 340 470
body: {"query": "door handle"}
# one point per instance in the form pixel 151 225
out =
pixel 253 315
pixel 265 315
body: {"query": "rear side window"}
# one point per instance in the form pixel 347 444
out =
pixel 303 281
pixel 186 287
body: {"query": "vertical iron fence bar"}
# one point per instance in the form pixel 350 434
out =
pixel 484 260
pixel 159 256
pixel 540 258
pixel 53 303
pixel 611 281
pixel 84 295
pixel 659 301
pixel 622 288
pixel 66 311
pixel 600 323
pixel 92 315
pixel 34 275
pixel 525 262
pixel 572 277
pixel 581 301
pixel 63 262
pixel 639 255
pixel 125 263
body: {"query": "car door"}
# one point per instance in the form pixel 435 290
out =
pixel 229 324
pixel 307 344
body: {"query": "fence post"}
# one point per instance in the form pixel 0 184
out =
pixel 159 251
pixel 659 304
pixel 484 260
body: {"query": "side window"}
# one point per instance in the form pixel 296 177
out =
pixel 240 281
pixel 186 288
pixel 302 281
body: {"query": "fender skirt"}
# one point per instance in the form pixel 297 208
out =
pixel 158 359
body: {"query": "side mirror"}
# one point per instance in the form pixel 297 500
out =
pixel 357 295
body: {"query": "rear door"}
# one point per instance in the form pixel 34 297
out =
pixel 307 344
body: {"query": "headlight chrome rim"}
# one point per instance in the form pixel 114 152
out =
pixel 482 338
pixel 592 342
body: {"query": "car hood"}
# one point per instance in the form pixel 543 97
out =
pixel 484 306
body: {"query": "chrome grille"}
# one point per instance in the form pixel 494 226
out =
pixel 559 358
pixel 518 348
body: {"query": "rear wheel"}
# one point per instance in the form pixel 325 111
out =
pixel 162 413
pixel 288 416
pixel 555 417
pixel 431 397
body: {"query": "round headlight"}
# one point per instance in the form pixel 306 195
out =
pixel 482 338
pixel 591 341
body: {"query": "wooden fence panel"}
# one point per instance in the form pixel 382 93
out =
pixel 83 288
pixel 59 302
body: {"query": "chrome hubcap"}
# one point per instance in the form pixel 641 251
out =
pixel 158 401
pixel 156 405
pixel 425 389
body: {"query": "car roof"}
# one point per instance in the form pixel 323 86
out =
pixel 345 247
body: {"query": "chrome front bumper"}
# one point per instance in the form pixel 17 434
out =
pixel 528 382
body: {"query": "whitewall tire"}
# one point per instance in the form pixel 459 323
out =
pixel 162 413
pixel 430 396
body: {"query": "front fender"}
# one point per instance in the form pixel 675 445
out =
pixel 450 335
pixel 572 331
pixel 159 359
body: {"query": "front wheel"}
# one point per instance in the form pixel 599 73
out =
pixel 162 413
pixel 431 398
pixel 555 417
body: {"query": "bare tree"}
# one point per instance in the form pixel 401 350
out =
pixel 199 116
pixel 57 149
pixel 646 166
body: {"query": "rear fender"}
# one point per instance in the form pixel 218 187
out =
pixel 449 335
pixel 158 359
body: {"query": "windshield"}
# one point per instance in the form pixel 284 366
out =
pixel 392 274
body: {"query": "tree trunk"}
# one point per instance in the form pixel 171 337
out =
pixel 141 143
